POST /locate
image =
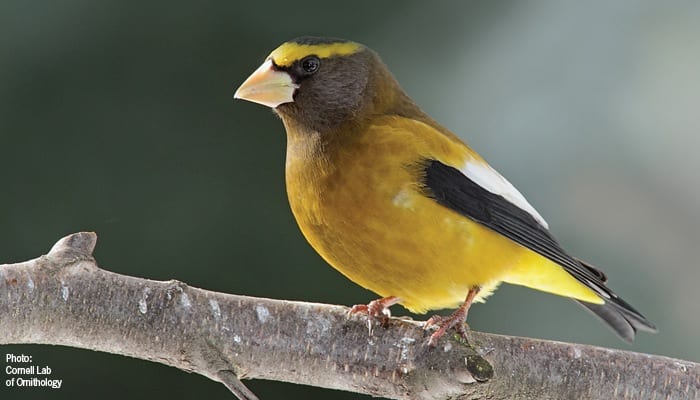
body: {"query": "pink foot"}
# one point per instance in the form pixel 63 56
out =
pixel 457 320
pixel 376 310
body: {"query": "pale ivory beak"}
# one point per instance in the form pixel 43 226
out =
pixel 267 86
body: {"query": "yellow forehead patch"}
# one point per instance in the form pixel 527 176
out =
pixel 289 52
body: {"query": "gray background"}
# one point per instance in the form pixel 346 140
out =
pixel 118 117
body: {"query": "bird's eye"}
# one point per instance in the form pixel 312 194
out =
pixel 310 64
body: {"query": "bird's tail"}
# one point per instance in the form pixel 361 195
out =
pixel 617 313
pixel 621 317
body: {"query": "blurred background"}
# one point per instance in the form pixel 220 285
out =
pixel 118 117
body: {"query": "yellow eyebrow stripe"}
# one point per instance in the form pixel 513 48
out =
pixel 288 53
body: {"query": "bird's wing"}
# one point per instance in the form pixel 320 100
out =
pixel 456 190
pixel 503 209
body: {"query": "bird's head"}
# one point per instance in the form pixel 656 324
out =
pixel 322 83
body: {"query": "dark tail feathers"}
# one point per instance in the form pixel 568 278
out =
pixel 617 313
pixel 621 317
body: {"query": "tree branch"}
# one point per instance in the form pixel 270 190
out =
pixel 65 298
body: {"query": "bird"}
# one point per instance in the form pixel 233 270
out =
pixel 402 206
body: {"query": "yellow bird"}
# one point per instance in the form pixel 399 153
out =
pixel 399 204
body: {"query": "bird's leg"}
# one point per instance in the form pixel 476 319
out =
pixel 377 310
pixel 457 320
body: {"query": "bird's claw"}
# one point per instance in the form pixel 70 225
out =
pixel 377 311
pixel 444 324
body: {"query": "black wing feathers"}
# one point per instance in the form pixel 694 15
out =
pixel 449 187
pixel 452 189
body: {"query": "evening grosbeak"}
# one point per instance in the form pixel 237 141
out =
pixel 399 204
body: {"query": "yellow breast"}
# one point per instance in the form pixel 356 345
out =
pixel 359 204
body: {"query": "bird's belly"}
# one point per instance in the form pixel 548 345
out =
pixel 393 240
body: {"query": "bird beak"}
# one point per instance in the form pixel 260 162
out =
pixel 267 86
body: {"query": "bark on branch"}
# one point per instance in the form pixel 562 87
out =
pixel 64 298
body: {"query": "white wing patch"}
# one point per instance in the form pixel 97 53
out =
pixel 489 179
